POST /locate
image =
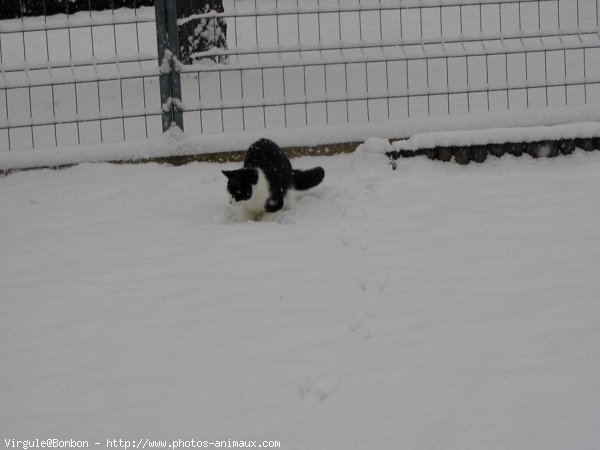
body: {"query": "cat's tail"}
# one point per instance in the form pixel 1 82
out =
pixel 306 179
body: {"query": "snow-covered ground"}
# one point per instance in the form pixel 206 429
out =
pixel 431 307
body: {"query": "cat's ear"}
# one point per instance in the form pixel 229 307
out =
pixel 228 173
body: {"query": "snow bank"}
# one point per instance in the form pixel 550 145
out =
pixel 175 143
pixel 468 138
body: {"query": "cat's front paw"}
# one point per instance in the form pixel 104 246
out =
pixel 273 205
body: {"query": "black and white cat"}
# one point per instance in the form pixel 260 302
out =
pixel 267 181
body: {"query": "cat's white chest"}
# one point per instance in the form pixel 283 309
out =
pixel 254 207
pixel 260 194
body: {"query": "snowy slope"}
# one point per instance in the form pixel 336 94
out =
pixel 432 307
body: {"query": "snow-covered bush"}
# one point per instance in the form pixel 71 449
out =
pixel 198 35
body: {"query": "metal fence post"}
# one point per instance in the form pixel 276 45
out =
pixel 168 61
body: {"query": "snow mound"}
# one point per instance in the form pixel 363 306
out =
pixel 466 138
pixel 425 131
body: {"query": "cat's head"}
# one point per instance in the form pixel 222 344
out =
pixel 239 183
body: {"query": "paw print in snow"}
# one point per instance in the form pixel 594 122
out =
pixel 320 389
pixel 362 328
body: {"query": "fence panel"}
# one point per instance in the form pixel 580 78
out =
pixel 317 62
pixel 79 78
pixel 92 76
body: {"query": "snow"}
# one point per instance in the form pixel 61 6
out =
pixel 435 306
pixel 465 138
pixel 176 143
pixel 431 306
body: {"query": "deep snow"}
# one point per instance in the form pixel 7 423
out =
pixel 431 307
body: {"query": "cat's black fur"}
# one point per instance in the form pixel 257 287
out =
pixel 266 156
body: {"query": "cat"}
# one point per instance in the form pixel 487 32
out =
pixel 266 183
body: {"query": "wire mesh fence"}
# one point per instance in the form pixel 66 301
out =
pixel 94 76
pixel 318 62
pixel 75 78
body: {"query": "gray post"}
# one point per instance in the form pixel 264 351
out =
pixel 168 61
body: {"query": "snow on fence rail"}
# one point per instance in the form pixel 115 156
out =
pixel 94 77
